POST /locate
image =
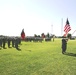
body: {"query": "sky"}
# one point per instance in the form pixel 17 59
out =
pixel 36 17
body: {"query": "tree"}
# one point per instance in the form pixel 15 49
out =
pixel 69 36
pixel 35 35
pixel 48 35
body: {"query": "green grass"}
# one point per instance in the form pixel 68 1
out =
pixel 37 58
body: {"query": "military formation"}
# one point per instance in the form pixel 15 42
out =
pixel 11 42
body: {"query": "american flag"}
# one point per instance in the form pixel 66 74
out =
pixel 67 27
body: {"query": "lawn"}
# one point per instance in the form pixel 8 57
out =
pixel 36 58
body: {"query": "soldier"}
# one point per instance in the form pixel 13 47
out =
pixel 4 42
pixel 9 41
pixel 16 43
pixel 13 42
pixel 64 45
pixel 53 37
pixel 0 42
pixel 19 40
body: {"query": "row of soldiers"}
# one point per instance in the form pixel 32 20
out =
pixel 14 41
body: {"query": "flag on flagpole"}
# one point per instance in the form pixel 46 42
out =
pixel 67 27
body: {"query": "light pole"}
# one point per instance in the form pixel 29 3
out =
pixel 51 29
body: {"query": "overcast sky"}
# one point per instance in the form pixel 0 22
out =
pixel 36 16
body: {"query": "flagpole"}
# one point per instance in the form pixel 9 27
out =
pixel 61 26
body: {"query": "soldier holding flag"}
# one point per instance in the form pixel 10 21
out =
pixel 67 28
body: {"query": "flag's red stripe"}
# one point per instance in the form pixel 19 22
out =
pixel 67 28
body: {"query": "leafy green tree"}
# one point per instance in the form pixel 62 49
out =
pixel 35 35
pixel 69 36
pixel 48 35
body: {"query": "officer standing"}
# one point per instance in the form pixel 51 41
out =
pixel 23 34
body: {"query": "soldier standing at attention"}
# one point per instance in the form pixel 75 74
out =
pixel 4 42
pixel 64 44
pixel 16 43
pixel 0 42
pixel 9 41
pixel 13 41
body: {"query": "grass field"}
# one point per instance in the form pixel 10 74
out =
pixel 36 58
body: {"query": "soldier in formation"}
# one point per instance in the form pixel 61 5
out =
pixel 0 42
pixel 15 41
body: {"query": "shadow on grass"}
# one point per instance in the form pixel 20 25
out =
pixel 70 54
pixel 18 49
pixel 9 47
pixel 28 50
